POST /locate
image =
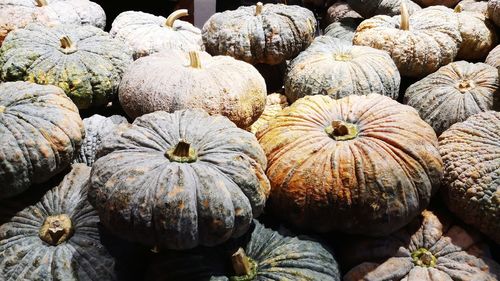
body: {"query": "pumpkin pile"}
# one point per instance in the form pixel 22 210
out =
pixel 321 140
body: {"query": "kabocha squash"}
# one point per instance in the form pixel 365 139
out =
pixel 178 80
pixel 336 68
pixel 270 33
pixel 274 104
pixel 494 11
pixel 40 130
pixel 454 93
pixel 82 60
pixel 146 33
pixel 58 238
pixel 493 57
pixel 343 29
pixel 370 8
pixel 179 180
pixel 471 185
pixel 361 164
pixel 447 3
pixel 338 11
pixel 419 44
pixel 477 6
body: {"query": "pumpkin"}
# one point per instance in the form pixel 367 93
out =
pixel 96 128
pixel 336 68
pixel 494 11
pixel 478 6
pixel 370 8
pixel 339 11
pixel 493 57
pixel 343 29
pixel 447 3
pixel 219 85
pixel 360 164
pixel 19 13
pixel 82 60
pixel 57 238
pixel 274 104
pixel 271 33
pixel 40 130
pixel 471 185
pixel 430 248
pixel 179 180
pixel 454 93
pixel 146 33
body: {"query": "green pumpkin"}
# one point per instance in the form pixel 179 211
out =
pixel 370 8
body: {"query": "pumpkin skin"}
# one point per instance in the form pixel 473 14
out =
pixel 40 129
pixel 370 8
pixel 447 3
pixel 278 33
pixel 493 57
pixel 478 35
pixel 477 6
pixel 275 103
pixel 82 60
pixel 339 11
pixel 471 184
pixel 454 93
pixel 343 29
pixel 146 33
pixel 219 85
pixel 494 11
pixel 326 179
pixel 74 252
pixel 434 33
pixel 183 204
pixel 336 68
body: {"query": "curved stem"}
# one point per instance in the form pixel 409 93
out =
pixel 66 43
pixel 176 15
pixel 258 8
pixel 194 59
pixel 41 3
pixel 405 17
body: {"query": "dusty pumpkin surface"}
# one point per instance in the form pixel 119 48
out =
pixel 370 8
pixel 343 29
pixel 447 3
pixel 494 11
pixel 274 104
pixel 493 57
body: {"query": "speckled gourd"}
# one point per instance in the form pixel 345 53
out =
pixel 493 57
pixel 275 103
pixel 494 11
pixel 370 8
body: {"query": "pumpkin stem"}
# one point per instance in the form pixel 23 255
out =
pixel 341 130
pixel 176 15
pixel 458 9
pixel 465 85
pixel 2 109
pixel 423 257
pixel 182 153
pixel 258 8
pixel 41 3
pixel 244 267
pixel 67 45
pixel 405 17
pixel 56 229
pixel 194 59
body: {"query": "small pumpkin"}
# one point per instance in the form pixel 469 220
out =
pixel 370 8
pixel 82 60
pixel 447 3
pixel 179 180
pixel 274 104
pixel 178 80
pixel 493 57
pixel 360 164
pixel 471 185
pixel 146 33
pixel 338 11
pixel 343 29
pixel 454 93
pixel 57 238
pixel 494 11
pixel 40 130
pixel 336 68
pixel 270 34
pixel 419 44
pixel 477 6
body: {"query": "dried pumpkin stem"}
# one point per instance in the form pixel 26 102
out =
pixel 67 46
pixel 423 257
pixel 41 3
pixel 194 59
pixel 2 109
pixel 244 267
pixel 56 229
pixel 258 8
pixel 458 9
pixel 405 17
pixel 182 153
pixel 465 85
pixel 340 130
pixel 175 16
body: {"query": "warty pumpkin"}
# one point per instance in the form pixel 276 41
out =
pixel 478 6
pixel 493 57
pixel 494 11
pixel 360 164
pixel 343 29
pixel 338 11
pixel 370 8
pixel 274 104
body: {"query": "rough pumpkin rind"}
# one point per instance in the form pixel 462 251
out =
pixel 477 6
pixel 274 105
pixel 494 11
pixel 447 3
pixel 370 8
pixel 343 29
pixel 493 57
pixel 338 11
pixel 478 35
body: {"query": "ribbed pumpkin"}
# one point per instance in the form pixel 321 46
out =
pixel 419 44
pixel 370 8
pixel 178 80
pixel 361 164
pixel 471 186
pixel 478 6
pixel 58 238
pixel 454 93
pixel 447 3
pixel 40 130
pixel 146 33
pixel 338 11
pixel 82 60
pixel 343 29
pixel 270 33
pixel 336 68
pixel 494 11
pixel 493 57
pixel 274 105
pixel 179 180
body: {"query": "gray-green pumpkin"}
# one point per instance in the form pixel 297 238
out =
pixel 343 29
pixel 82 60
pixel 493 57
pixel 370 8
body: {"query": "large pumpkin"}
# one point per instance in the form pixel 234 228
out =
pixel 178 80
pixel 361 164
pixel 477 6
pixel 471 156
pixel 40 130
pixel 146 33
pixel 494 11
pixel 82 60
pixel 493 57
pixel 179 180
pixel 343 29
pixel 370 8
pixel 270 33
pixel 58 238
pixel 274 105
pixel 336 68
pixel 454 93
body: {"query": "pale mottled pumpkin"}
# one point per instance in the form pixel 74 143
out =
pixel 493 57
pixel 478 6
pixel 146 33
pixel 274 104
pixel 478 35
pixel 40 130
pixel 82 60
pixel 343 29
pixel 270 33
pixel 338 11
pixel 471 185
pixel 370 8
pixel 178 80
pixel 336 68
pixel 419 44
pixel 494 11
pixel 447 3
pixel 360 164
pixel 454 93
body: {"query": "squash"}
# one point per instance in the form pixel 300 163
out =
pixel 477 6
pixel 82 60
pixel 370 8
pixel 471 153
pixel 419 44
pixel 454 93
pixel 275 103
pixel 146 33
pixel 343 29
pixel 270 34
pixel 338 11
pixel 336 68
pixel 493 57
pixel 179 180
pixel 447 3
pixel 494 11
pixel 57 238
pixel 40 130
pixel 360 164
pixel 178 80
